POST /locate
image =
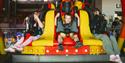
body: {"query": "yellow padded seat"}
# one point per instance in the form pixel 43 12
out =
pixel 52 6
pixel 86 35
pixel 92 42
pixel 48 34
pixel 1 46
pixel 78 4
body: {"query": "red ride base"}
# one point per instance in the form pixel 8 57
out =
pixel 68 50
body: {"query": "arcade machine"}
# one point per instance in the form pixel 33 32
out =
pixel 45 49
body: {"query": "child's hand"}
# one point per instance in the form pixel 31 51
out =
pixel 58 14
pixel 27 18
pixel 76 15
pixel 36 17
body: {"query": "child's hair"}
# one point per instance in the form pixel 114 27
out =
pixel 68 15
pixel 96 9
pixel 38 10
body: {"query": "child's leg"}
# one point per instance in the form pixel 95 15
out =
pixel 76 39
pixel 19 42
pixel 114 44
pixel 36 37
pixel 27 42
pixel 60 39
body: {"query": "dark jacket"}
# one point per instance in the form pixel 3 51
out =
pixel 34 30
pixel 98 24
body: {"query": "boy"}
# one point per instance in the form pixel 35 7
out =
pixel 68 27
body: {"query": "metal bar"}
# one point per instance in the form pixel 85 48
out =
pixel 57 58
pixel 12 28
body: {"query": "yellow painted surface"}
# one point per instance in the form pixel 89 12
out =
pixel 87 36
pixel 78 4
pixel 52 6
pixel 48 35
pixel 96 50
pixel 43 42
pixel 1 46
pixel 84 25
pixel 34 50
pixel 92 42
pixel 120 42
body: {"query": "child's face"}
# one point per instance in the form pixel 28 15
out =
pixel 68 19
pixel 96 13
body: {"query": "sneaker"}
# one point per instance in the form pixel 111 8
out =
pixel 113 58
pixel 60 47
pixel 118 59
pixel 10 50
pixel 19 49
pixel 78 45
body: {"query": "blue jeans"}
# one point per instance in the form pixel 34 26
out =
pixel 109 43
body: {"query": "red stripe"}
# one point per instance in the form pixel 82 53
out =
pixel 122 35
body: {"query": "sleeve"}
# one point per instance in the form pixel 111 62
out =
pixel 41 16
pixel 59 24
pixel 30 26
pixel 103 26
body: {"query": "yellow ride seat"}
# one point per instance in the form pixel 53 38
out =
pixel 86 35
pixel 78 4
pixel 1 46
pixel 47 37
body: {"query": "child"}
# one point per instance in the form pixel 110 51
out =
pixel 98 28
pixel 35 30
pixel 68 27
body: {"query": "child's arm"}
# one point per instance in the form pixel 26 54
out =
pixel 26 21
pixel 76 15
pixel 57 15
pixel 36 18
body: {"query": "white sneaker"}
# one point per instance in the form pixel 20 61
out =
pixel 19 49
pixel 118 59
pixel 10 50
pixel 113 58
